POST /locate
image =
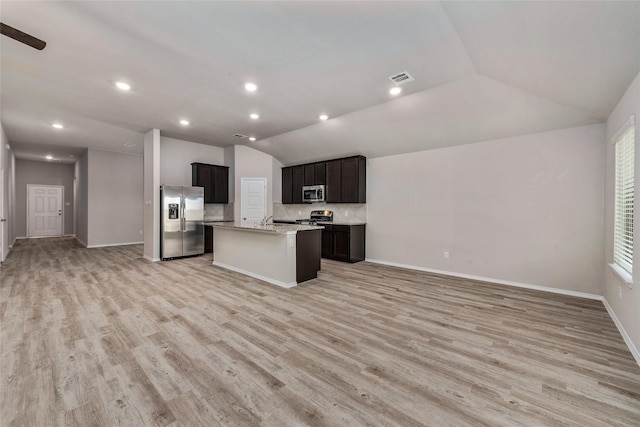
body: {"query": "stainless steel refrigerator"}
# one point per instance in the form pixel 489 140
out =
pixel 181 217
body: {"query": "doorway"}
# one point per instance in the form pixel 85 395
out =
pixel 44 210
pixel 253 204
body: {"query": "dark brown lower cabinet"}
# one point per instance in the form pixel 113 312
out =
pixel 208 239
pixel 343 242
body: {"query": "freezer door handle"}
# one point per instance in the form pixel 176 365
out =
pixel 182 220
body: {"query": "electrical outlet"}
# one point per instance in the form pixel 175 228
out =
pixel 140 232
pixel 299 212
pixel 346 213
pixel 446 254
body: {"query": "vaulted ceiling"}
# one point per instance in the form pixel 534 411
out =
pixel 482 70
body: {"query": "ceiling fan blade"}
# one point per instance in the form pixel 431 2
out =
pixel 22 37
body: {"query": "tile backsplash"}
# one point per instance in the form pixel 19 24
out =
pixel 214 212
pixel 343 212
pixel 356 212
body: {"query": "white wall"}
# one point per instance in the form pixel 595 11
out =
pixel 623 300
pixel 177 155
pixel 525 209
pixel 277 181
pixel 115 198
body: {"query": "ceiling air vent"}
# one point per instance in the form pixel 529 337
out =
pixel 239 135
pixel 401 78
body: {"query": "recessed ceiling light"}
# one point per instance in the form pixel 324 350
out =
pixel 323 117
pixel 252 138
pixel 251 87
pixel 395 90
pixel 184 122
pixel 49 157
pixel 57 126
pixel 254 116
pixel 123 86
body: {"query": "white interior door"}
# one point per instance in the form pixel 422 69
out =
pixel 253 205
pixel 44 210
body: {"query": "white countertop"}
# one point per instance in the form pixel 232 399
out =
pixel 270 228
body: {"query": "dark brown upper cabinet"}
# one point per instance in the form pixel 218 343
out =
pixel 309 174
pixel 333 190
pixel 345 180
pixel 287 186
pixel 298 183
pixel 315 173
pixel 320 173
pixel 354 179
pixel 214 179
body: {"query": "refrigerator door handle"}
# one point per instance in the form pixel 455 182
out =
pixel 183 222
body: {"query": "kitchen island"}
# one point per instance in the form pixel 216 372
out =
pixel 280 254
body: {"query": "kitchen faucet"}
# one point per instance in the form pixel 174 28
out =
pixel 265 220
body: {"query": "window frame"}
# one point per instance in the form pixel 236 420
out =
pixel 624 201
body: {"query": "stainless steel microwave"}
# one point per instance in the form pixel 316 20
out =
pixel 313 193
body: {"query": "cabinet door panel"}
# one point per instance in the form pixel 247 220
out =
pixel 320 173
pixel 287 186
pixel 220 184
pixel 334 178
pixel 327 243
pixel 341 245
pixel 298 183
pixel 309 175
pixel 350 182
pixel 208 239
pixel 202 177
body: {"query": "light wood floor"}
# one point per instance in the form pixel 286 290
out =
pixel 101 337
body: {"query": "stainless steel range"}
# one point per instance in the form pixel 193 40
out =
pixel 316 217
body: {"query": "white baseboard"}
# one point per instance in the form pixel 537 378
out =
pixel 632 348
pixel 256 276
pixel 625 336
pixel 114 244
pixel 491 280
pixel 152 259
pixel 80 241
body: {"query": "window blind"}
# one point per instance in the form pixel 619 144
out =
pixel 624 197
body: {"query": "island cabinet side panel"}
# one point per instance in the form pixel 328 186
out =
pixel 308 254
pixel 266 256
